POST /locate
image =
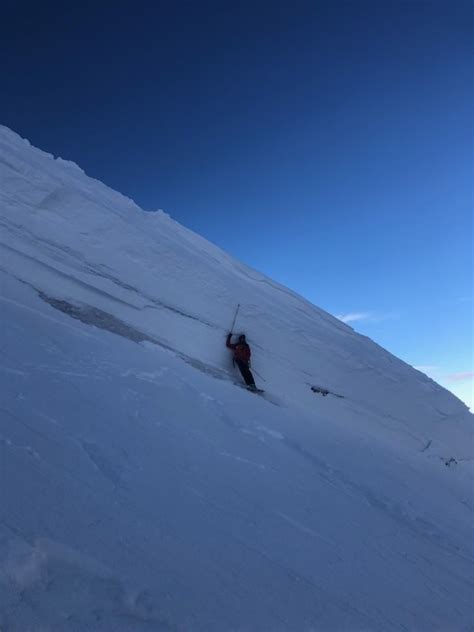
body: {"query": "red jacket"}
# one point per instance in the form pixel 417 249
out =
pixel 241 350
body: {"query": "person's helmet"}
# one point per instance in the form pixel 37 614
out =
pixel 242 338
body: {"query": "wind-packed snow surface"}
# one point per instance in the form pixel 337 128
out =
pixel 142 489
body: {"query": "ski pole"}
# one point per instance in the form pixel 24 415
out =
pixel 258 374
pixel 235 318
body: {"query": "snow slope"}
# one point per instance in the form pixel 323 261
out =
pixel 141 489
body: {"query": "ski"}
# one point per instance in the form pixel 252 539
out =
pixel 251 390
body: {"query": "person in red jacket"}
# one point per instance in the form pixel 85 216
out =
pixel 242 355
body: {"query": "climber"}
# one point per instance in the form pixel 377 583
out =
pixel 242 355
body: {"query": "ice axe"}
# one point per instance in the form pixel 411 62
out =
pixel 235 318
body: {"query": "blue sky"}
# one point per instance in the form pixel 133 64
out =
pixel 329 145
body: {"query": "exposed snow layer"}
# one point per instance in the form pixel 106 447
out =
pixel 141 489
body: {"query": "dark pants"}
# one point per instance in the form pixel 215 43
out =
pixel 246 372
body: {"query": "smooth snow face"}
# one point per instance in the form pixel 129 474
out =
pixel 142 489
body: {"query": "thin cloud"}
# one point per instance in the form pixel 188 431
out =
pixel 354 316
pixel 370 317
pixel 460 377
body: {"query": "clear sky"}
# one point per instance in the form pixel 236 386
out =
pixel 328 144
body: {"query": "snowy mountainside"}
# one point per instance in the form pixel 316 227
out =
pixel 167 497
pixel 74 238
